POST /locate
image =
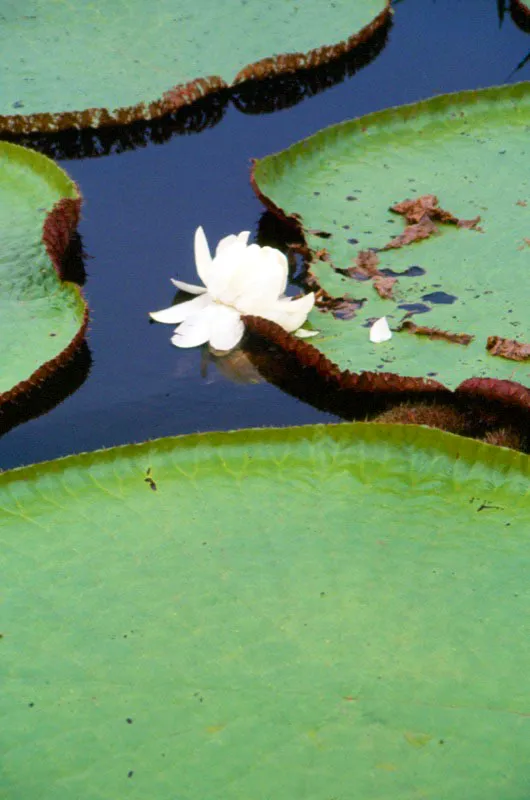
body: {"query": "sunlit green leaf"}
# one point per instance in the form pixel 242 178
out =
pixel 118 61
pixel 43 318
pixel 330 611
pixel 469 150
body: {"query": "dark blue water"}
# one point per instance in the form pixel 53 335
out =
pixel 142 207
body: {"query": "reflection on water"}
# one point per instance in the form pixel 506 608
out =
pixel 250 97
pixel 48 394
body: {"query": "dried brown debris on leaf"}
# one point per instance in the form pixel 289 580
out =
pixel 421 215
pixel 436 333
pixel 384 286
pixel 366 268
pixel 344 307
pixel 508 348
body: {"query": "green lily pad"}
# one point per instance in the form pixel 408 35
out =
pixel 268 614
pixel 112 63
pixel 338 187
pixel 43 317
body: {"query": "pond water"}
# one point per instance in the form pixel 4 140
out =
pixel 141 208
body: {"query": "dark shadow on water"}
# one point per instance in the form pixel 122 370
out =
pixel 285 91
pixel 477 419
pixel 48 394
pixel 251 97
pixel 92 143
pixel 73 262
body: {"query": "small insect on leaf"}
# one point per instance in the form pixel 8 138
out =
pixel 149 480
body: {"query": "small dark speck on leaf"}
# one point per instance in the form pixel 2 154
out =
pixel 440 297
pixel 129 721
pixel 410 272
pixel 415 308
pixel 432 374
pixel 18 104
pixel 352 241
pixel 320 234
pixel 322 594
pixel 53 334
pixel 130 773
pixel 30 705
pixel 441 741
pixel 316 194
pixel 351 197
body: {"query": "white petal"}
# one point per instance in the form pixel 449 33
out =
pixel 226 328
pixel 203 259
pixel 290 314
pixel 180 311
pixel 229 241
pixel 380 332
pixel 190 288
pixel 261 278
pixel 195 330
pixel 305 333
pixel 223 284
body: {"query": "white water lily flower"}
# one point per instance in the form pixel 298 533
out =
pixel 241 279
pixel 380 331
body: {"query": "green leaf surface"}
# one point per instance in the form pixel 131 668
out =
pixel 42 317
pixel 321 612
pixel 61 57
pixel 470 150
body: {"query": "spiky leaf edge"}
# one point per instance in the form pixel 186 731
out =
pixel 502 392
pixel 59 225
pixel 187 94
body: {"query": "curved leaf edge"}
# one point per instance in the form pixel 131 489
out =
pixel 520 12
pixel 189 448
pixel 60 223
pixel 186 94
pixel 497 391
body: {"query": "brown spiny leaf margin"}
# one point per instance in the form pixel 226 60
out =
pixel 186 94
pixel 60 224
pixel 310 357
pixel 520 12
pixel 505 392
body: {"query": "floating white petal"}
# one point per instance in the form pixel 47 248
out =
pixel 203 259
pixel 195 330
pixel 380 331
pixel 190 288
pixel 178 313
pixel 226 328
pixel 241 279
pixel 305 333
pixel 290 314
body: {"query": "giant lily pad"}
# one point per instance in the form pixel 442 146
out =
pixel 337 188
pixel 112 63
pixel 44 317
pixel 273 613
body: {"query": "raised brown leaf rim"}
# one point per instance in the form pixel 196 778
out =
pixel 59 226
pixel 186 94
pixel 499 392
pixel 520 12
